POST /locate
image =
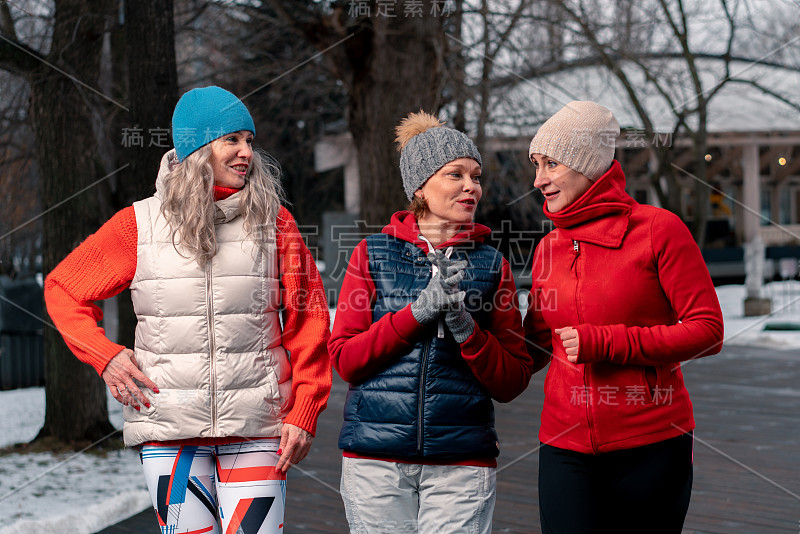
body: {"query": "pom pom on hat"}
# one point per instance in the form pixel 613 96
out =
pixel 414 124
pixel 581 135
pixel 205 114
pixel 426 146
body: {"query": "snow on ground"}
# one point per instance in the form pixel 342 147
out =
pixel 81 494
pixel 43 493
pixel 750 331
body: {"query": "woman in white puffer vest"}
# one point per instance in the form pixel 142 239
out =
pixel 230 370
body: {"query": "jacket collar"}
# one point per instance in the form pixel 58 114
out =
pixel 226 209
pixel 601 215
pixel 403 225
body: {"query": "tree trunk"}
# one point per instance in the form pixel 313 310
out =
pixel 700 188
pixel 486 75
pixel 390 57
pixel 400 71
pixel 152 94
pixel 458 68
pixel 664 180
pixel 61 114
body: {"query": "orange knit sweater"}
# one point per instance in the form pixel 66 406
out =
pixel 105 263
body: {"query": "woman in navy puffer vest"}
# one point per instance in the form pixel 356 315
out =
pixel 427 333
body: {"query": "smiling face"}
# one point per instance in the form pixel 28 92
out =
pixel 560 185
pixel 231 156
pixel 452 193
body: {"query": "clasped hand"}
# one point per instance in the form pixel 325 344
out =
pixel 442 296
pixel 571 342
pixel 442 292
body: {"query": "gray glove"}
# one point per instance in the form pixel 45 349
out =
pixel 460 322
pixel 439 296
pixel 446 266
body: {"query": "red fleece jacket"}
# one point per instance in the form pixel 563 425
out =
pixel 104 265
pixel 631 280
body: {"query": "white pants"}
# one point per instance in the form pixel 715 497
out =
pixel 388 497
pixel 216 489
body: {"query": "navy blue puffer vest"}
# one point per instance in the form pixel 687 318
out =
pixel 427 404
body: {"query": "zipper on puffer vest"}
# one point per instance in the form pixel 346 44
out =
pixel 421 399
pixel 213 350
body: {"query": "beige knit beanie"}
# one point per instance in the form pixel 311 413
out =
pixel 581 136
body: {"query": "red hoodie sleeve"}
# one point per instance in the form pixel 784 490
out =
pixel 305 325
pixel 497 355
pixel 687 285
pixel 358 347
pixel 538 336
pixel 99 268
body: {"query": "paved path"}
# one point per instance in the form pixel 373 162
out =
pixel 747 454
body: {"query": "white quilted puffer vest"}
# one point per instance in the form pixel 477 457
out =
pixel 210 338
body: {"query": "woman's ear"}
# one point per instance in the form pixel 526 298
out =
pixel 419 194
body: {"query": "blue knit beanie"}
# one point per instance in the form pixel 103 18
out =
pixel 205 114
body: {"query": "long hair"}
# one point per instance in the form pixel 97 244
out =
pixel 188 204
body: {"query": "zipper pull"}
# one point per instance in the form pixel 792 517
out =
pixel 576 247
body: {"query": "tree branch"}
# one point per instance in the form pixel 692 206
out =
pixel 503 37
pixel 594 61
pixel 767 91
pixel 728 50
pixel 612 65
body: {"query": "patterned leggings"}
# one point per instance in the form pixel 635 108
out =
pixel 217 489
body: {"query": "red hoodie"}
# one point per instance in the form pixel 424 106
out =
pixel 359 348
pixel 633 283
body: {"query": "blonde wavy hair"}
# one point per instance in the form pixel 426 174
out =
pixel 188 203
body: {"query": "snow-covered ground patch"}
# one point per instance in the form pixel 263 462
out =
pixel 755 331
pixel 69 493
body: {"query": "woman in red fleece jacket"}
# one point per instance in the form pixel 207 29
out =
pixel 620 297
pixel 224 289
pixel 427 333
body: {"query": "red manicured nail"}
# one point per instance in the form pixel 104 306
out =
pixel 279 452
pixel 137 408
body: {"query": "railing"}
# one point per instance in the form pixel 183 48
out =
pixel 785 234
pixel 21 360
pixel 21 342
pixel 783 287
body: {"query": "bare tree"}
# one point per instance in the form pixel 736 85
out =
pixel 70 116
pixel 61 108
pixel 146 61
pixel 673 56
pixel 20 230
pixel 486 41
pixel 287 85
pixel 390 59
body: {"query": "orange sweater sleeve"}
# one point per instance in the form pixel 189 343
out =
pixel 100 267
pixel 306 325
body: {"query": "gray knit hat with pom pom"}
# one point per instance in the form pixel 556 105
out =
pixel 426 146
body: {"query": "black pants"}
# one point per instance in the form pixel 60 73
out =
pixel 644 489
